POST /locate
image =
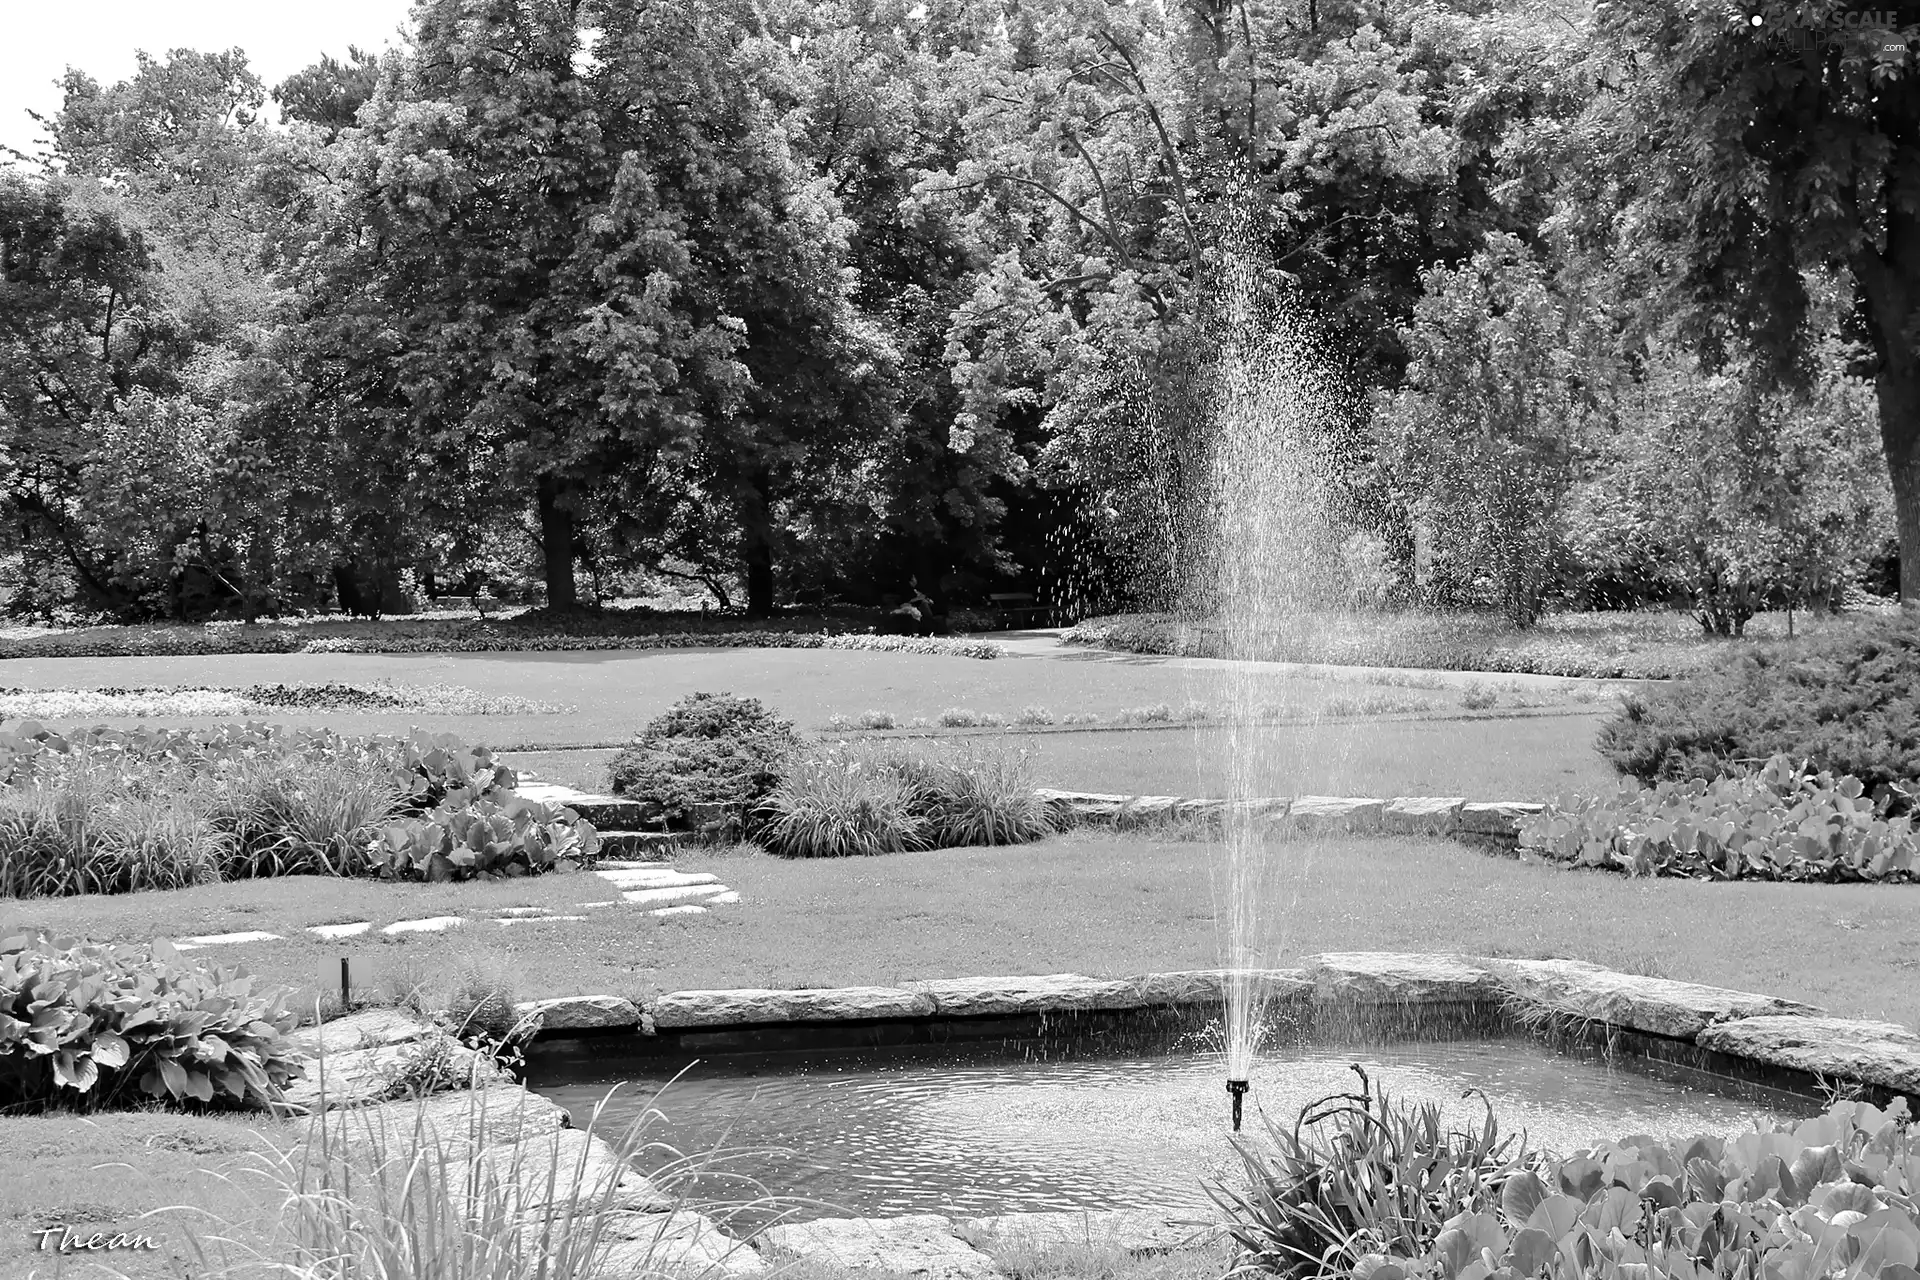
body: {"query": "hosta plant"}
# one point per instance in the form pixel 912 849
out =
pixel 89 1026
pixel 1781 823
pixel 467 838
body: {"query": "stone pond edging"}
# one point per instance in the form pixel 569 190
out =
pixel 1308 815
pixel 647 1224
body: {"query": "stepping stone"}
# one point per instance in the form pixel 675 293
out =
pixel 628 864
pixel 656 879
pixel 369 1029
pixel 340 930
pixel 520 911
pixel 922 1245
pixel 639 842
pixel 432 924
pixel 613 812
pixel 685 909
pixel 224 939
pixel 647 897
pixel 729 896
pixel 610 902
pixel 534 919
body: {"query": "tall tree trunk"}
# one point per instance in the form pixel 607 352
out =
pixel 556 545
pixel 756 542
pixel 1891 283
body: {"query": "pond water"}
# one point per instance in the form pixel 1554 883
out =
pixel 978 1131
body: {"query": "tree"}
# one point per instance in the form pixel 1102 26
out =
pixel 1752 146
pixel 1483 439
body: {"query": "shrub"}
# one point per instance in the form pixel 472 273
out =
pixel 1847 703
pixel 878 720
pixel 709 748
pixel 856 800
pixel 1158 713
pixel 1780 824
pixel 959 718
pixel 1034 715
pixel 838 804
pixel 1386 1196
pixel 88 1026
pixel 1080 717
pixel 1478 696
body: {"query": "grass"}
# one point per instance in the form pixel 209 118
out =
pixel 618 691
pixel 1647 644
pixel 109 1172
pixel 1137 904
pixel 1536 757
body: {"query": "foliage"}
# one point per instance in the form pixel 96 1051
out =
pixel 1387 1197
pixel 1483 438
pixel 1782 823
pixel 1358 1176
pixel 708 748
pixel 851 800
pixel 114 811
pixel 88 1026
pixel 1842 702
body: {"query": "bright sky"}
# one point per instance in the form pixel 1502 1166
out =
pixel 40 39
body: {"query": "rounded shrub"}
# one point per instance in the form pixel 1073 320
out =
pixel 708 748
pixel 1847 702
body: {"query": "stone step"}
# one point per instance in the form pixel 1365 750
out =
pixel 665 878
pixel 600 810
pixel 631 845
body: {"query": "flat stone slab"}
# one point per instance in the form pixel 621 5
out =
pixel 1389 977
pixel 676 893
pixel 728 898
pixel 1882 1053
pixel 536 919
pixel 353 930
pixel 550 1167
pixel 225 939
pixel 432 924
pixel 499 1114
pixel 750 1006
pixel 920 1245
pixel 964 997
pixel 1657 1006
pixel 677 1244
pixel 1137 1231
pixel 357 1077
pixel 630 864
pixel 369 1029
pixel 1204 986
pixel 1495 817
pixel 686 909
pixel 656 878
pixel 579 1013
pixel 1422 815
pixel 1331 814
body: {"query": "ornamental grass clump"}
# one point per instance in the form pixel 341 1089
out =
pixel 85 1026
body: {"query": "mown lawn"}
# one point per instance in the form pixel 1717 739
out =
pixel 1100 904
pixel 614 692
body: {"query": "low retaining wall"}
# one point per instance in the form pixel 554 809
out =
pixel 1496 820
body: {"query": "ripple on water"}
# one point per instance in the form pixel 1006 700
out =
pixel 986 1134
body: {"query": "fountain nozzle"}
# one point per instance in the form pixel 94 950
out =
pixel 1237 1089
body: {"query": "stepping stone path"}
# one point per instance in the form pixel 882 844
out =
pixel 224 939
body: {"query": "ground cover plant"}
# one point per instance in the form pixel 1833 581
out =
pixel 852 799
pixel 1612 645
pixel 85 1026
pixel 1782 823
pixel 1362 1187
pixel 1847 702
pixel 708 749
pixel 114 811
pixel 200 700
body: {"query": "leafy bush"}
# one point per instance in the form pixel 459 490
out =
pixel 1848 703
pixel 89 1026
pixel 861 800
pixel 1034 715
pixel 878 720
pixel 959 718
pixel 113 811
pixel 1782 823
pixel 1386 1196
pixel 1479 696
pixel 708 748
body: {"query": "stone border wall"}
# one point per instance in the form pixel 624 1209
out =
pixel 1489 820
pixel 1777 1039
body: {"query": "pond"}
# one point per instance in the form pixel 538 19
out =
pixel 989 1129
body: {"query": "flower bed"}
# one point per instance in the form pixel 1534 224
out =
pixel 200 700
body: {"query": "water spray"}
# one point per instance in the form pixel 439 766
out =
pixel 1237 1089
